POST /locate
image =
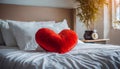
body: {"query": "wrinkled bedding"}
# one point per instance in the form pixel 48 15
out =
pixel 83 56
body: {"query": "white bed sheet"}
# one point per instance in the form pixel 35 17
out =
pixel 83 56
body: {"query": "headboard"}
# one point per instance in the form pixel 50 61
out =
pixel 35 13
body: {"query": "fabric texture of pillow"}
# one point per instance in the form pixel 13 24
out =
pixel 25 34
pixel 7 34
pixel 61 25
pixel 1 37
pixel 53 42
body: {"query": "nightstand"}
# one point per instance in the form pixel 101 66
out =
pixel 100 41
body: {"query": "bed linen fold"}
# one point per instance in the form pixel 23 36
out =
pixel 83 56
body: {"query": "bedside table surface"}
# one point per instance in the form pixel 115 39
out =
pixel 97 40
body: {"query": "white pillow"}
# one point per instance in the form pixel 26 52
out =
pixel 25 34
pixel 7 34
pixel 61 25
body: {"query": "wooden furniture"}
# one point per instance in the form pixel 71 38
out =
pixel 101 41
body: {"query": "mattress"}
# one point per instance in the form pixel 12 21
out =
pixel 83 56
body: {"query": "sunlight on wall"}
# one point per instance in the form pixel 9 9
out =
pixel 106 22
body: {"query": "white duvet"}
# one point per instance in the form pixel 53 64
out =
pixel 83 56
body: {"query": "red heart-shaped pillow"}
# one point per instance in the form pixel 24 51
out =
pixel 52 42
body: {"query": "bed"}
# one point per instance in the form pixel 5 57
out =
pixel 18 50
pixel 85 56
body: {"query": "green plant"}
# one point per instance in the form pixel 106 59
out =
pixel 87 11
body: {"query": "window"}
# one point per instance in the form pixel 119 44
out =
pixel 116 14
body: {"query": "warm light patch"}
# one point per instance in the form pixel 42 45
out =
pixel 117 1
pixel 116 14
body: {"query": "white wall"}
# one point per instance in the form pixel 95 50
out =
pixel 114 36
pixel 99 26
pixel 106 22
pixel 48 3
pixel 80 28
